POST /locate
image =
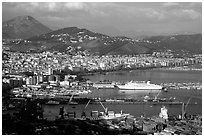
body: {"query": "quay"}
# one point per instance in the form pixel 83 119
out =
pixel 137 102
pixel 81 100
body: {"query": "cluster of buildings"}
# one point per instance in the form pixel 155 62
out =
pixel 184 85
pixel 42 66
pixel 47 79
pixel 40 63
pixel 46 86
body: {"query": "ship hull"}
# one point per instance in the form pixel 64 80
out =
pixel 138 92
pixel 52 103
pixel 138 88
pixel 100 86
pixel 120 117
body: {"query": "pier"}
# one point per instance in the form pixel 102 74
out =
pixel 137 102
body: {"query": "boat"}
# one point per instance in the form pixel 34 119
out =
pixel 73 103
pixel 139 85
pixel 107 114
pixel 85 92
pixel 104 84
pixel 52 102
pixel 114 100
pixel 111 115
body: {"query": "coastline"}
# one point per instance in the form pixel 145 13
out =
pixel 180 68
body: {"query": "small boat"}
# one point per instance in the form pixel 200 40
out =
pixel 165 89
pixel 73 103
pixel 52 102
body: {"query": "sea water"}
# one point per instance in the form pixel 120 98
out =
pixel 156 76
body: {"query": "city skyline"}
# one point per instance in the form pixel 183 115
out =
pixel 113 18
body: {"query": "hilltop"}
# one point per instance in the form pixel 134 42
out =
pixel 23 27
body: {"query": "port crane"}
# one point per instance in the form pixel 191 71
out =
pixel 71 102
pixel 99 102
pixel 87 104
pixel 155 98
pixel 184 107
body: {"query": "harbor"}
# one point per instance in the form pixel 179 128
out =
pixel 102 120
pixel 102 68
pixel 142 106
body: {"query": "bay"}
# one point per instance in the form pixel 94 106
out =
pixel 156 76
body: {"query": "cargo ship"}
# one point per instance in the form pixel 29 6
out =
pixel 110 115
pixel 139 85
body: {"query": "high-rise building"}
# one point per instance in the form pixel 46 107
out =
pixel 66 78
pixel 50 71
pixel 30 80
pixel 40 79
pixel 27 81
pixel 15 82
pixel 54 78
pixel 57 77
pixel 35 80
pixel 51 78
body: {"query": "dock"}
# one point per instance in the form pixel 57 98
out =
pixel 137 102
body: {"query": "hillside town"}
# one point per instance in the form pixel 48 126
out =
pixel 46 62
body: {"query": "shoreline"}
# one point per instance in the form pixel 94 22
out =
pixel 180 68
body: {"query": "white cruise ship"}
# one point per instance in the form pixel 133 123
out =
pixel 139 86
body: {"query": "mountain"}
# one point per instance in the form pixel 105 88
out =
pixel 189 43
pixel 72 40
pixel 23 27
pixel 91 41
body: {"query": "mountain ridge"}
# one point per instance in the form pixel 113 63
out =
pixel 23 27
pixel 84 39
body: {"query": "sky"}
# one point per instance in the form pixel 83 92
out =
pixel 113 18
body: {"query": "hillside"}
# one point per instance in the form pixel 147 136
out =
pixel 190 43
pixel 23 27
pixel 38 38
pixel 91 41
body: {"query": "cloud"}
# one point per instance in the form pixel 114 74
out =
pixel 153 13
pixel 52 6
pixel 191 13
pixel 75 6
pixel 185 14
pixel 34 4
pixel 47 6
pixel 195 4
pixel 170 4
